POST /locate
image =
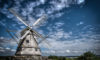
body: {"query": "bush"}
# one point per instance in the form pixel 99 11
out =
pixel 87 56
pixel 57 58
pixel 52 57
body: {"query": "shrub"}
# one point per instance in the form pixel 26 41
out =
pixel 87 56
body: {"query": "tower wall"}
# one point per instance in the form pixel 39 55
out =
pixel 28 46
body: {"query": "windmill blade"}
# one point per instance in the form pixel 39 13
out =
pixel 40 20
pixel 43 39
pixel 12 36
pixel 16 35
pixel 10 39
pixel 18 16
pixel 37 34
pixel 12 30
pixel 22 20
pixel 25 34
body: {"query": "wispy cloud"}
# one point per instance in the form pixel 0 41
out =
pixel 31 9
pixel 7 46
pixel 6 51
pixel 80 23
pixel 66 42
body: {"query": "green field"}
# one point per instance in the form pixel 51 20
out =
pixel 85 56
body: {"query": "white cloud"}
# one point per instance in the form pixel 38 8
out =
pixel 8 48
pixel 80 23
pixel 55 6
pixel 29 10
pixel 72 45
pixel 1 37
pixel 3 23
pixel 22 26
pixel 6 41
pixel 6 51
pixel 60 5
pixel 13 50
pixel 80 1
pixel 68 51
pixel 42 1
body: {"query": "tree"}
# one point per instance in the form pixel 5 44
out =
pixel 87 56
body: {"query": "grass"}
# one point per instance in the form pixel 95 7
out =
pixel 85 56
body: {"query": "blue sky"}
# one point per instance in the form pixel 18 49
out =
pixel 72 27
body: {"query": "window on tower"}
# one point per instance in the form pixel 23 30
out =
pixel 35 49
pixel 27 41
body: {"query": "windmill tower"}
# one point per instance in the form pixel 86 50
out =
pixel 28 45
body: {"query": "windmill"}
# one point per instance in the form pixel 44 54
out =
pixel 28 44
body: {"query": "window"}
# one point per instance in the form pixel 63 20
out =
pixel 35 49
pixel 27 41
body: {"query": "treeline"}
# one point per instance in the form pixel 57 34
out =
pixel 86 56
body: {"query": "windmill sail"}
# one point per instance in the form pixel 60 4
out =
pixel 11 36
pixel 40 20
pixel 22 20
pixel 19 17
